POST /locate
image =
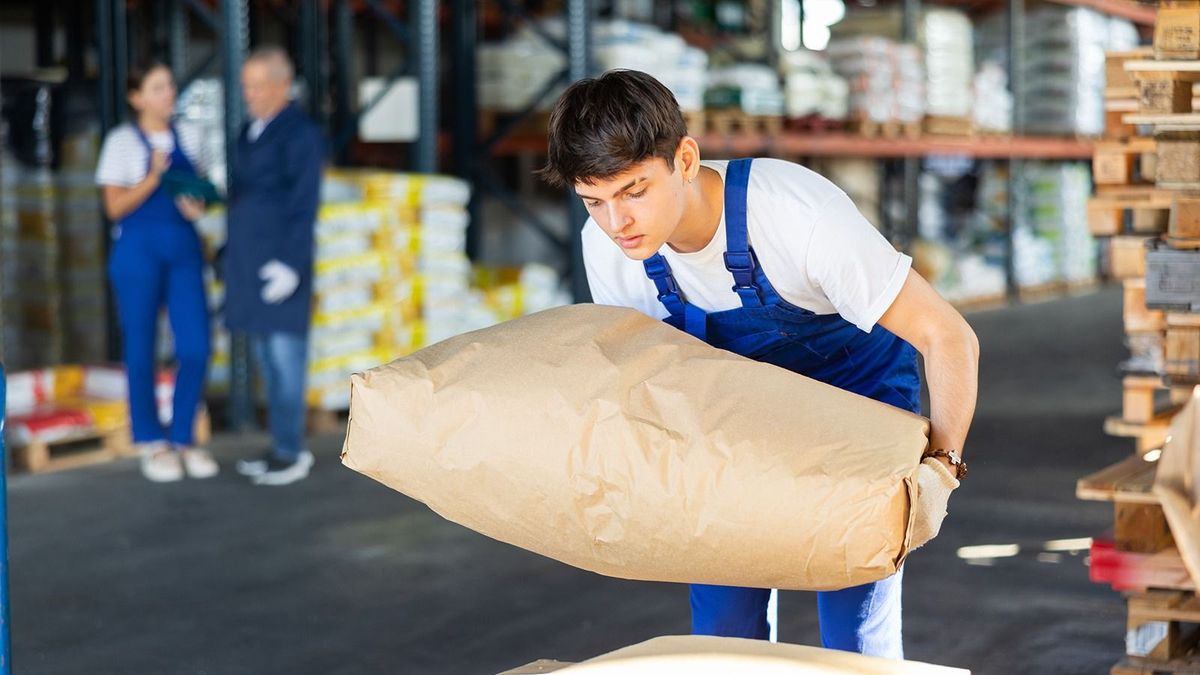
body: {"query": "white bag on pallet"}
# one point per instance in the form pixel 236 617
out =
pixel 615 443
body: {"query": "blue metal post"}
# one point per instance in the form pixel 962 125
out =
pixel 5 640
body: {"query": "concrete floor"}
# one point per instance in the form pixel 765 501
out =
pixel 111 574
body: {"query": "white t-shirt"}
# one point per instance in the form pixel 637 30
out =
pixel 124 159
pixel 816 249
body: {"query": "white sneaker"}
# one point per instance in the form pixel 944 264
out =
pixel 281 473
pixel 161 464
pixel 199 463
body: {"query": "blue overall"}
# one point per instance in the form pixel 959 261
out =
pixel 157 258
pixel 828 348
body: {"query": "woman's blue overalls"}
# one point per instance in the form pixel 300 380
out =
pixel 157 257
pixel 828 348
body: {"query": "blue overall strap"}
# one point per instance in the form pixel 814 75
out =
pixel 739 260
pixel 695 321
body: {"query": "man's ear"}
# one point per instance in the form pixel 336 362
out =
pixel 687 158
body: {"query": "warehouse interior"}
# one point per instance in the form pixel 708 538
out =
pixel 1038 161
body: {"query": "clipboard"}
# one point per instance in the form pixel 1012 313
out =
pixel 188 184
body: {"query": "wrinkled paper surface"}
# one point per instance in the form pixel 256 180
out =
pixel 610 441
pixel 700 655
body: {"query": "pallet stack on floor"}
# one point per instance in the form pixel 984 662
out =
pixel 1148 205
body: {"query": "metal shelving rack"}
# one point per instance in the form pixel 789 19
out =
pixel 474 156
pixel 230 24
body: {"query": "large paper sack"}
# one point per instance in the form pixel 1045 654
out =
pixel 1177 483
pixel 613 442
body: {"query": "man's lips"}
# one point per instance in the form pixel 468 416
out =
pixel 630 242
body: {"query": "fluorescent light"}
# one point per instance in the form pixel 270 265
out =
pixel 988 551
pixel 1153 455
pixel 1068 545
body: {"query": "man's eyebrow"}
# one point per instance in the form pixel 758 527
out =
pixel 629 185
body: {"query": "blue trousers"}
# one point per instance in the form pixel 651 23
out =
pixel 148 268
pixel 283 366
pixel 863 619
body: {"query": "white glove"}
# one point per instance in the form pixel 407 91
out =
pixel 934 485
pixel 281 282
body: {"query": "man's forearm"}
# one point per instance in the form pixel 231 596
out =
pixel 952 372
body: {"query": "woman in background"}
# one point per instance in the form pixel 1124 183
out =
pixel 157 260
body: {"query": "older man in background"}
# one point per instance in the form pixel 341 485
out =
pixel 274 191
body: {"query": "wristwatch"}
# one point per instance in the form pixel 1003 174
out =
pixel 960 467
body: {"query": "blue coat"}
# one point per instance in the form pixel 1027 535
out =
pixel 274 192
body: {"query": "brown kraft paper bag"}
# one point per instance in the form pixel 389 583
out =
pixel 613 442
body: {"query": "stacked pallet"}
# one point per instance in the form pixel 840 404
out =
pixel 1148 206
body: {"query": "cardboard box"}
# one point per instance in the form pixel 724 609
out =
pixel 706 654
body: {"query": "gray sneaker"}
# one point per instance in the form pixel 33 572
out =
pixel 284 473
pixel 256 466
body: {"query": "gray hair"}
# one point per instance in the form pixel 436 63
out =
pixel 276 60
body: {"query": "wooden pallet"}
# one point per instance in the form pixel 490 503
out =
pixel 1042 292
pixel 1140 667
pixel 1176 34
pixel 1164 87
pixel 890 129
pixel 732 122
pixel 1138 572
pixel 1129 480
pixel 75 450
pixel 942 125
pixel 1127 257
pixel 1163 633
pixel 814 124
pixel 1183 226
pixel 1138 404
pixel 1147 206
pixel 88 448
pixel 1120 162
pixel 1148 435
pixel 1137 316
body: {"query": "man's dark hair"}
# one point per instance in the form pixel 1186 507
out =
pixel 602 126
